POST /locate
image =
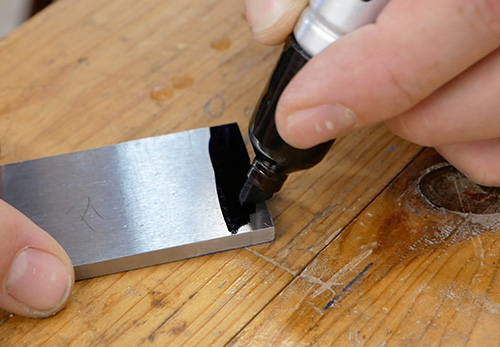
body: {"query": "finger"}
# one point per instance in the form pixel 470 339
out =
pixel 272 21
pixel 35 272
pixel 465 110
pixel 476 160
pixel 382 70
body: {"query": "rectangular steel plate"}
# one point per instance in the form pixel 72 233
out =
pixel 131 205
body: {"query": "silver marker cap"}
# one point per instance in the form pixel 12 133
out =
pixel 324 21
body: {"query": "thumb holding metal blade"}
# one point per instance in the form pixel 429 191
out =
pixel 36 274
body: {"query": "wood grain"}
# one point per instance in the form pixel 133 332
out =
pixel 349 266
pixel 403 273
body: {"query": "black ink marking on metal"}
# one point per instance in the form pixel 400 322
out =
pixel 97 213
pixel 346 288
pixel 230 162
pixel 82 216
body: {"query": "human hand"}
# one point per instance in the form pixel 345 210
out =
pixel 428 69
pixel 36 274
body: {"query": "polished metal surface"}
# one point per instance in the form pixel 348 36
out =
pixel 130 205
pixel 324 21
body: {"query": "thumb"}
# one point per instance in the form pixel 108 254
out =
pixel 36 274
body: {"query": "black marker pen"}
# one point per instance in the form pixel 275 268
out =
pixel 321 24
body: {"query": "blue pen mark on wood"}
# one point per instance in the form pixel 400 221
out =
pixel 346 288
pixel 215 107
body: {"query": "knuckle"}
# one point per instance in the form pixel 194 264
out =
pixel 419 130
pixel 407 88
pixel 407 91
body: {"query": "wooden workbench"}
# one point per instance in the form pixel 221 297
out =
pixel 361 257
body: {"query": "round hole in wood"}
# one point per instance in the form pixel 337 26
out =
pixel 448 188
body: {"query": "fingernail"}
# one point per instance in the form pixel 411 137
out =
pixel 262 14
pixel 39 280
pixel 312 126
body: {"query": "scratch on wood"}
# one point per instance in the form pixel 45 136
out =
pixel 323 286
pixel 458 195
pixel 356 338
pixel 478 246
pixel 357 313
pixel 321 242
pixel 334 280
pixel 6 319
pixel 321 313
pixel 273 262
pixel 346 288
